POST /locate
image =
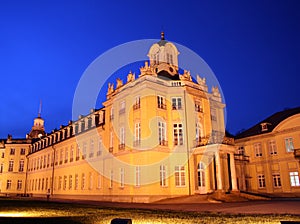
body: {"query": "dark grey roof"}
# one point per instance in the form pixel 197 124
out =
pixel 271 123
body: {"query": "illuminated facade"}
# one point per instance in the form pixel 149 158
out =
pixel 266 154
pixel 159 135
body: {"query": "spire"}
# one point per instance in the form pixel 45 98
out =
pixel 40 109
pixel 162 35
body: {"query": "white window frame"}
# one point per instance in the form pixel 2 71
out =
pixel 122 177
pixel 289 144
pixel 257 149
pixel 178 133
pixel 176 103
pixel 294 179
pixel 272 147
pixel 162 133
pixel 163 175
pixel 179 176
pixel 137 176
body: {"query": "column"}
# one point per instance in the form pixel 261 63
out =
pixel 219 171
pixel 233 173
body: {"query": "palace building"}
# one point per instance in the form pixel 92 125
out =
pixel 158 135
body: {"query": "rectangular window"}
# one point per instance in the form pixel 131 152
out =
pixel 162 133
pixel 272 147
pixel 289 145
pixel 76 182
pixel 137 103
pixel 91 148
pixel 61 156
pixel 122 107
pixel 137 176
pixel 65 183
pixel 178 134
pixel 84 146
pixel 111 141
pixel 137 134
pixel 22 151
pixel 161 102
pixel 122 177
pixel 21 166
pixel 1 168
pixel 276 180
pixel 163 175
pixel 71 153
pixel 176 103
pixel 82 181
pixel 198 106
pixel 10 166
pixel 213 115
pixel 294 179
pixel 70 182
pixel 122 138
pixel 261 181
pixel 179 176
pixel 8 185
pixel 59 182
pixel 19 185
pixel 241 150
pixel 111 117
pixel 77 152
pixel 257 150
pixel 12 151
pixel 66 155
pixel 2 155
pixel 89 123
pixel 99 152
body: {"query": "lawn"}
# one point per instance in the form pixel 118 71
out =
pixel 89 214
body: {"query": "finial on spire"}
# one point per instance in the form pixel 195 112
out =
pixel 162 35
pixel 40 109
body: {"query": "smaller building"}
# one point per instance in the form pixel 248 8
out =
pixel 265 158
pixel 13 165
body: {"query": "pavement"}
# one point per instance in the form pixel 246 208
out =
pixel 282 206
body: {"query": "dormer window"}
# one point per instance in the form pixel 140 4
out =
pixel 264 126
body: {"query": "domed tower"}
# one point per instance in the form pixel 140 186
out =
pixel 163 57
pixel 38 129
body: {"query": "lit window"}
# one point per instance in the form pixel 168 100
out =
pixel 289 145
pixel 201 174
pixel 122 138
pixel 178 134
pixel 294 179
pixel 137 134
pixel 162 133
pixel 258 150
pixel 179 176
pixel 137 176
pixel 163 175
pixel 261 181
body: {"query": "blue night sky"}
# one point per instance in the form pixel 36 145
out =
pixel 252 46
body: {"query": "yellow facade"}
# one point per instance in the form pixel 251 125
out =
pixel 13 165
pixel 269 165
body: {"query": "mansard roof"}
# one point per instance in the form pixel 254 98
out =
pixel 269 123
